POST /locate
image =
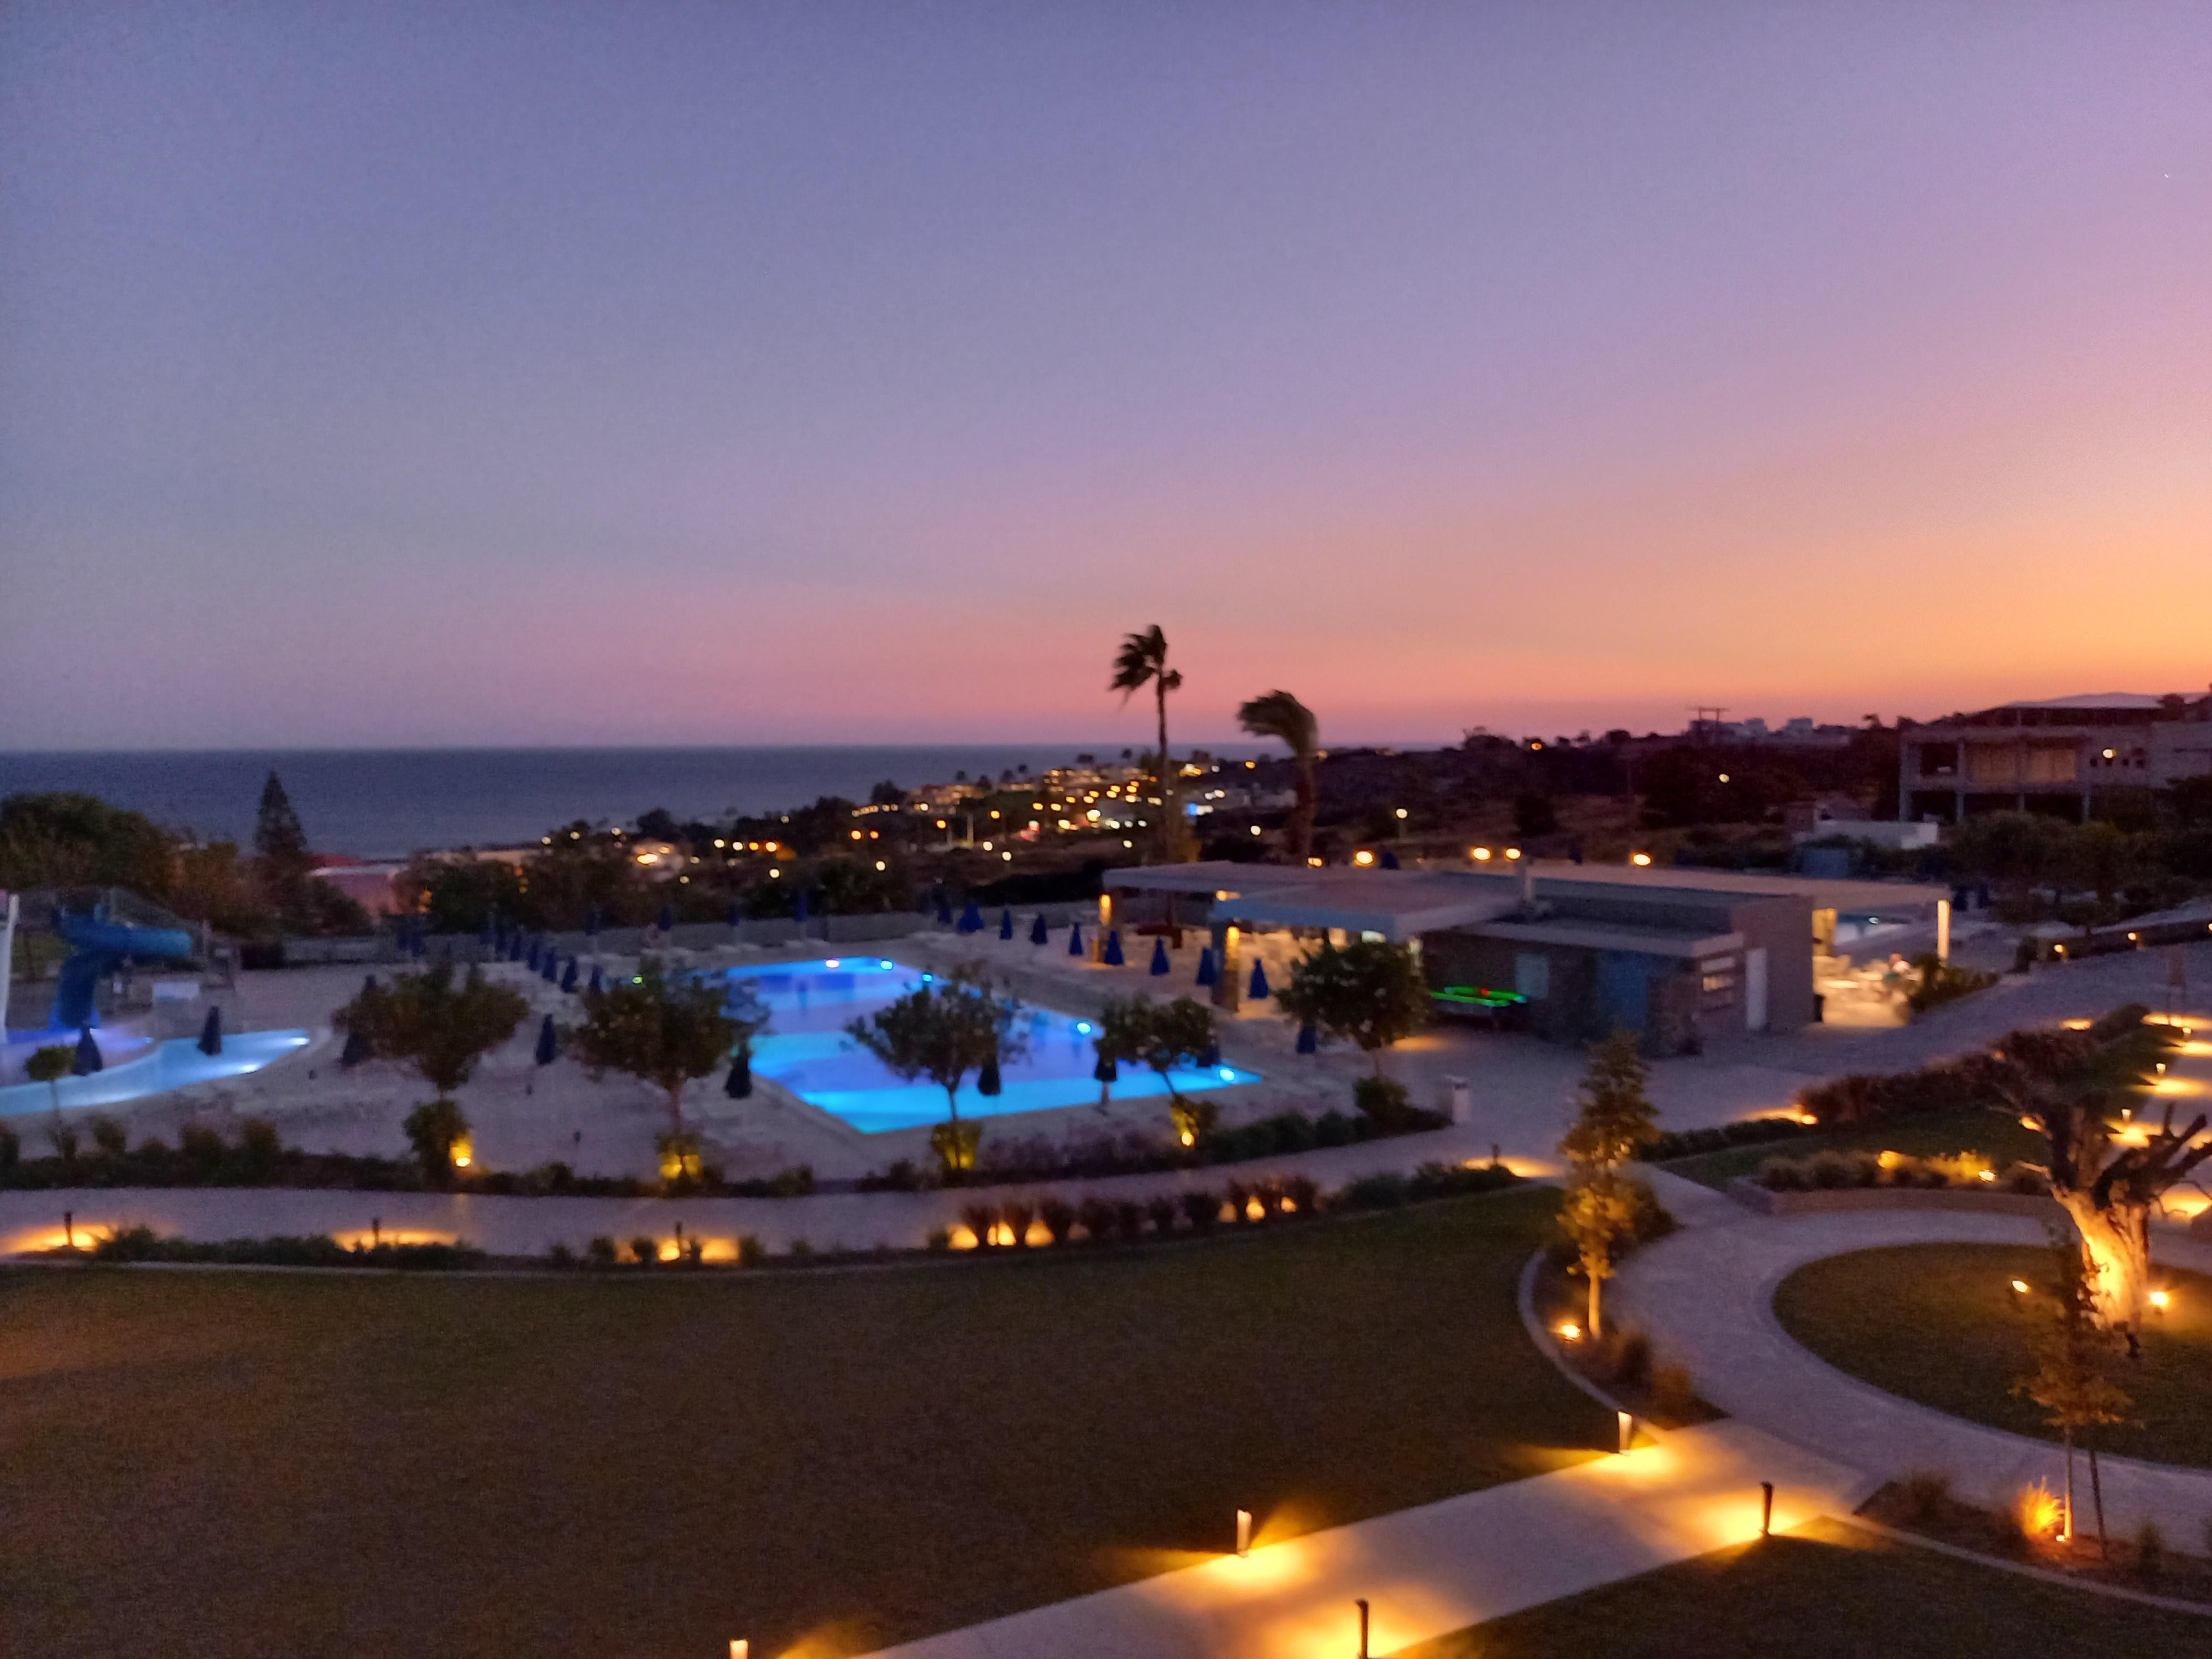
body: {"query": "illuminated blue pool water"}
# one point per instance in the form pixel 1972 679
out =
pixel 171 1065
pixel 805 1049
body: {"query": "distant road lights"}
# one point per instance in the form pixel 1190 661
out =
pixel 1512 852
pixel 1009 857
pixel 881 866
pixel 1400 813
pixel 1641 860
pixel 2020 1287
pixel 1479 854
pixel 1724 777
pixel 1362 858
pixel 1256 829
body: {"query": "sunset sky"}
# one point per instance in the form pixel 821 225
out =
pixel 680 373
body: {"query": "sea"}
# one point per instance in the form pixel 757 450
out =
pixel 389 803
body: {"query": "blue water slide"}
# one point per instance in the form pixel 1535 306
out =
pixel 98 947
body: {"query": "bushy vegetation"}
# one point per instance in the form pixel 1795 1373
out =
pixel 1995 1078
pixel 1836 1171
pixel 135 1244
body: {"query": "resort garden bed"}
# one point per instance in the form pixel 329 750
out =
pixel 240 1463
pixel 1941 1324
pixel 1828 1591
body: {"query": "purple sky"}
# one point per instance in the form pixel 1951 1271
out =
pixel 716 372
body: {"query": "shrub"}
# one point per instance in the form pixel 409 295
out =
pixel 941 1238
pixel 1384 1190
pixel 1161 1208
pixel 108 1135
pixel 1673 1399
pixel 1382 1101
pixel 1925 1496
pixel 1202 1211
pixel 795 1183
pixel 695 1250
pixel 802 1249
pixel 11 1149
pixel 199 1145
pixel 1058 1216
pixel 601 1252
pixel 752 1252
pixel 1240 1202
pixel 2035 1513
pixel 1018 1216
pixel 1129 1217
pixel 1629 1364
pixel 560 1255
pixel 1301 1196
pixel 645 1251
pixel 1829 1171
pixel 1781 1175
pixel 981 1220
pixel 1098 1219
pixel 64 1136
pixel 2150 1552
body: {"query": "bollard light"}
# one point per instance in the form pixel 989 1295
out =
pixel 739 1648
pixel 1243 1532
pixel 1765 1508
pixel 1627 1429
pixel 1362 1605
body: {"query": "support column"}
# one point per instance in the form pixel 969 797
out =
pixel 1228 988
pixel 1942 930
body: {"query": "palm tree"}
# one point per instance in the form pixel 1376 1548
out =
pixel 1283 717
pixel 1142 661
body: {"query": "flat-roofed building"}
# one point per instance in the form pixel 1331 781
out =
pixel 2055 756
pixel 1685 958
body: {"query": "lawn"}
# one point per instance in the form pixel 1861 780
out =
pixel 234 1463
pixel 1939 1323
pixel 1827 1591
pixel 2000 1139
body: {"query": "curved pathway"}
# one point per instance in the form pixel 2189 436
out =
pixel 1706 1295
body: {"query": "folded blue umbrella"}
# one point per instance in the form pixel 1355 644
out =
pixel 596 984
pixel 1112 955
pixel 1039 934
pixel 549 1042
pixel 1389 860
pixel 1075 940
pixel 1308 1038
pixel 531 962
pixel 211 1033
pixel 1160 965
pixel 88 1058
pixel 1007 923
pixel 944 912
pixel 568 977
pixel 737 913
pixel 1209 970
pixel 1211 1057
pixel 799 910
pixel 971 918
pixel 667 920
pixel 551 973
pixel 988 1081
pixel 1259 992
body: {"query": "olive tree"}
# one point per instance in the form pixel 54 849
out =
pixel 661 1031
pixel 1371 994
pixel 1613 1120
pixel 438 1030
pixel 944 1029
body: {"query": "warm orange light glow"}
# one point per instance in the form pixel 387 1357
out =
pixel 1479 854
pixel 1571 1332
pixel 2159 1299
pixel 1362 858
pixel 1512 852
pixel 1639 859
pixel 2020 1286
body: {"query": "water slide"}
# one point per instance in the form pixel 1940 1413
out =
pixel 97 947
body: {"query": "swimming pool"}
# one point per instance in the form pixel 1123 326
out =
pixel 174 1064
pixel 805 1049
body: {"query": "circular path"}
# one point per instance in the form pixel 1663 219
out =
pixel 1706 1297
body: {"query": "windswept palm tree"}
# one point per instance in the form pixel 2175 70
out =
pixel 1283 717
pixel 1142 661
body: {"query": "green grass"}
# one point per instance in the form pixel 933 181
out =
pixel 1999 1138
pixel 1827 1591
pixel 1940 1324
pixel 232 1463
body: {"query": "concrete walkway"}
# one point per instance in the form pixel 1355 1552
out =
pixel 1706 1296
pixel 1439 1568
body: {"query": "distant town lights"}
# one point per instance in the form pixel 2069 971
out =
pixel 1641 860
pixel 1362 858
pixel 1512 852
pixel 1479 854
pixel 1401 811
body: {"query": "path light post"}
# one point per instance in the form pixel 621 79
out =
pixel 1627 1429
pixel 1362 1605
pixel 1766 1508
pixel 739 1648
pixel 1244 1533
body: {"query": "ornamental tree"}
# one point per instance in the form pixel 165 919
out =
pixel 1616 1119
pixel 661 1031
pixel 426 1022
pixel 942 1029
pixel 1371 994
pixel 2076 1363
pixel 1599 1216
